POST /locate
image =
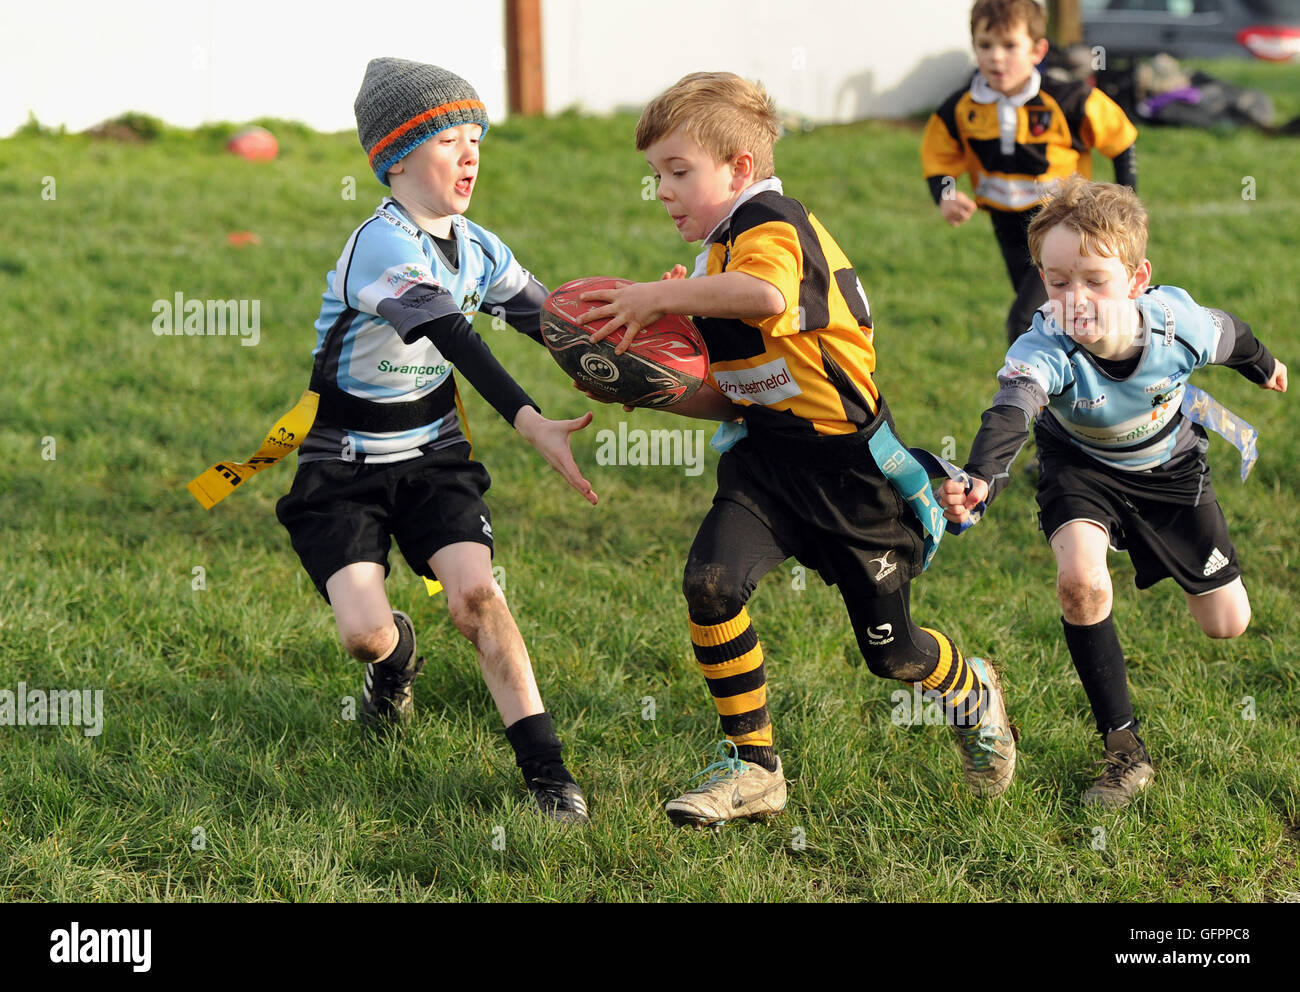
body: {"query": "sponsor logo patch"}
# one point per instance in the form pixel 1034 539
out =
pixel 400 278
pixel 1016 370
pixel 763 384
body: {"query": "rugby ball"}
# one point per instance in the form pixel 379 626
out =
pixel 666 362
pixel 256 144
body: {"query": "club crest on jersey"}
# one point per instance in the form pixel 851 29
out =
pixel 471 301
pixel 1039 122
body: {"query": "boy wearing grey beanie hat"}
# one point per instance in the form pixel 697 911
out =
pixel 387 456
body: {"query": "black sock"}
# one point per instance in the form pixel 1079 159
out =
pixel 1099 660
pixel 537 748
pixel 401 655
pixel 759 755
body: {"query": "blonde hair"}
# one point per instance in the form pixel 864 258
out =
pixel 1005 15
pixel 727 115
pixel 1109 219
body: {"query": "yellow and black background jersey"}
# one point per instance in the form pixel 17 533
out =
pixel 805 371
pixel 1055 129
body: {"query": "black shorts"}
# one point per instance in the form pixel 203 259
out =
pixel 338 513
pixel 826 501
pixel 1164 539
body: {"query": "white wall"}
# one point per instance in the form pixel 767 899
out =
pixel 78 62
pixel 827 60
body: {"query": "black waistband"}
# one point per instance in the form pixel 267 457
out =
pixel 343 410
pixel 823 450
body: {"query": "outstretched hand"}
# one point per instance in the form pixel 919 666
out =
pixel 551 439
pixel 1277 380
pixel 957 502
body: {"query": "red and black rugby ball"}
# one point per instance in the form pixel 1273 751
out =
pixel 665 363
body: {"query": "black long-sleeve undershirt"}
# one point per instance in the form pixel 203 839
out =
pixel 1126 167
pixel 1004 427
pixel 429 312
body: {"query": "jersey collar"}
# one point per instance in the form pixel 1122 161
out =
pixel 982 92
pixel 724 226
pixel 397 213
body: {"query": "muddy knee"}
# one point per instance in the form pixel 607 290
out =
pixel 713 592
pixel 473 609
pixel 1085 596
pixel 370 645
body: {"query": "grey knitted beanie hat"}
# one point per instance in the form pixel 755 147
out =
pixel 403 104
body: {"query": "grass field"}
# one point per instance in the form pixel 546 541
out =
pixel 226 769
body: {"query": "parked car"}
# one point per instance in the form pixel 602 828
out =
pixel 1265 29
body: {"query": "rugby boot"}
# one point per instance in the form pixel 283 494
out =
pixel 1126 770
pixel 561 801
pixel 735 790
pixel 988 752
pixel 386 699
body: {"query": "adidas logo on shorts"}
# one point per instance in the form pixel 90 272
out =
pixel 1215 562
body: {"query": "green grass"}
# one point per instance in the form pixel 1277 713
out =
pixel 223 707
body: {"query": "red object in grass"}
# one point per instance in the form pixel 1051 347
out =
pixel 242 238
pixel 256 144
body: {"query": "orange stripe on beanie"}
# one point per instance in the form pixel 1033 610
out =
pixel 403 104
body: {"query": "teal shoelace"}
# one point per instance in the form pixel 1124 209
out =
pixel 730 763
pixel 979 744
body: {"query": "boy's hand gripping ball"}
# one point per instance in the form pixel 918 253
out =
pixel 666 362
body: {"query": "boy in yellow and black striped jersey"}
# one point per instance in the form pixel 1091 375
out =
pixel 791 357
pixel 1018 134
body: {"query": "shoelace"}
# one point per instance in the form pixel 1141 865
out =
pixel 977 744
pixel 729 765
pixel 1116 765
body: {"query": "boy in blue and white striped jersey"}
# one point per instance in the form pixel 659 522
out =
pixel 1102 374
pixel 386 457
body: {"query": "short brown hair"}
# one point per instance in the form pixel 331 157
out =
pixel 1110 220
pixel 1006 14
pixel 727 115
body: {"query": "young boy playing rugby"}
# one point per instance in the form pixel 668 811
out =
pixel 791 351
pixel 1017 134
pixel 1102 375
pixel 386 456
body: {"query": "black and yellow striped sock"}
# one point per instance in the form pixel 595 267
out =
pixel 954 684
pixel 731 660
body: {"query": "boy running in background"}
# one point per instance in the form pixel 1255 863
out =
pixel 1018 134
pixel 1102 376
pixel 791 351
